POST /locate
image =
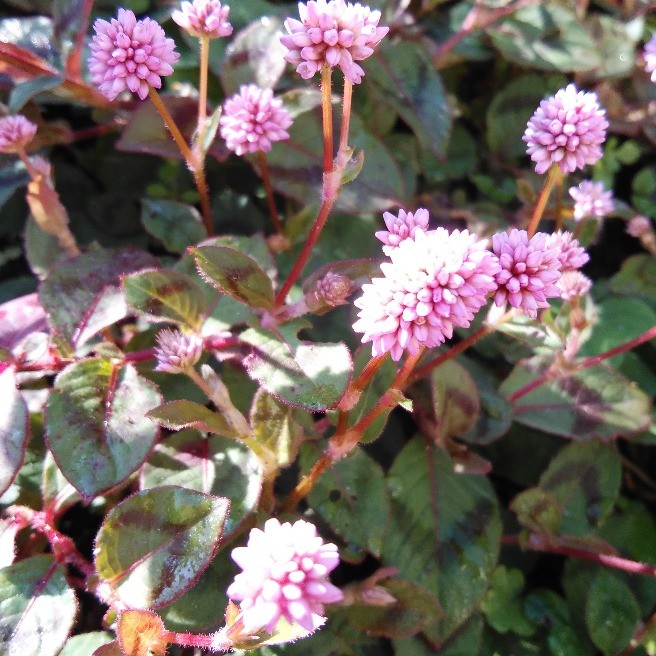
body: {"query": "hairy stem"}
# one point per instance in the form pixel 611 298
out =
pixel 542 199
pixel 346 115
pixel 202 85
pixel 327 117
pixel 266 179
pixel 172 127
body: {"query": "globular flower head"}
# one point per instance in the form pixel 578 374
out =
pixel 401 227
pixel 650 57
pixel 638 226
pixel 573 284
pixel 252 119
pixel 127 53
pixel 176 351
pixel 203 18
pixel 15 133
pixel 285 575
pixel 570 253
pixel 333 289
pixel 591 200
pixel 334 33
pixel 529 270
pixel 567 129
pixel 435 281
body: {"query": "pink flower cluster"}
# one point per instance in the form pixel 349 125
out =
pixel 434 282
pixel 285 569
pixel 203 18
pixel 573 284
pixel 332 33
pixel 591 200
pixel 570 254
pixel 401 227
pixel 127 53
pixel 15 133
pixel 252 119
pixel 567 129
pixel 650 57
pixel 176 351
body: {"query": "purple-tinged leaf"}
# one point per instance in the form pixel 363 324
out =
pixel 154 545
pixel 597 402
pixel 301 374
pixel 38 607
pixel 19 318
pixel 165 295
pixel 96 426
pixel 176 225
pixel 14 428
pixel 235 274
pixel 213 465
pixel 83 295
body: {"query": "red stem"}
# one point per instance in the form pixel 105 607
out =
pixel 626 565
pixel 266 179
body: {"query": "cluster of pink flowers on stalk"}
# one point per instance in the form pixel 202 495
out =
pixel 252 119
pixel 573 284
pixel 285 575
pixel 566 129
pixel 650 57
pixel 401 227
pixel 332 33
pixel 203 18
pixel 435 281
pixel 15 133
pixel 176 351
pixel 591 200
pixel 570 253
pixel 127 53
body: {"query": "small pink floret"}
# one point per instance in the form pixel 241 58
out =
pixel 176 351
pixel 529 270
pixel 591 200
pixel 252 119
pixel 567 129
pixel 15 133
pixel 285 575
pixel 573 284
pixel 435 281
pixel 203 18
pixel 570 253
pixel 127 53
pixel 650 57
pixel 638 226
pixel 333 33
pixel 401 227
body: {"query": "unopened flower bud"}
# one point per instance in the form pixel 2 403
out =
pixel 332 290
pixel 15 133
pixel 572 284
pixel 176 351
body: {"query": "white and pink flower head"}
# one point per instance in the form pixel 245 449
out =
pixel 573 284
pixel 401 227
pixel 284 574
pixel 567 129
pixel 591 200
pixel 649 54
pixel 203 18
pixel 434 282
pixel 253 119
pixel 15 133
pixel 332 33
pixel 127 53
pixel 570 253
pixel 529 270
pixel 176 351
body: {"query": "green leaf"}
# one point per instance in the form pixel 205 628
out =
pixel 255 246
pixel 402 77
pixel 444 532
pixel 311 376
pixel 275 428
pixel 414 609
pixel 455 399
pixel 82 296
pixel 597 402
pixel 352 498
pixel 96 427
pixel 213 465
pixel 38 607
pixel 176 225
pixel 511 108
pixel 538 511
pixel 85 644
pixel 502 604
pixel 14 428
pixel 637 277
pixel 465 643
pixel 22 93
pixel 58 494
pixel 611 613
pixel 152 546
pixel 164 295
pixel 187 414
pixel 255 56
pixel 235 274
